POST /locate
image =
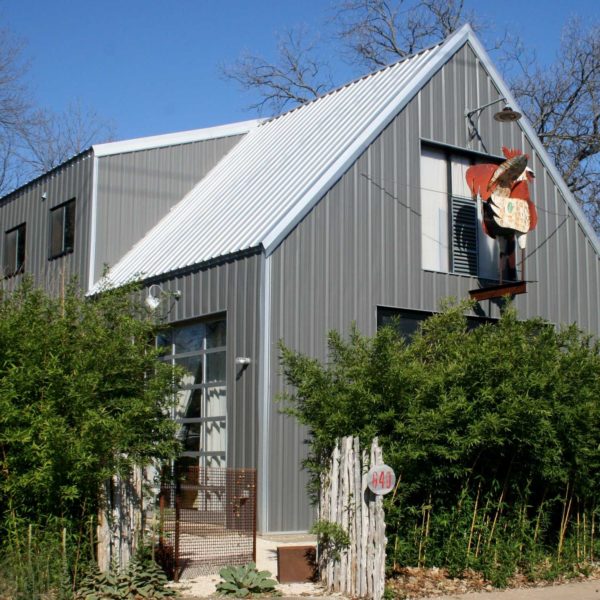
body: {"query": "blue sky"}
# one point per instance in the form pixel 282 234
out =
pixel 152 66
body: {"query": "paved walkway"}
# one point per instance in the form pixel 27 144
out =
pixel 580 590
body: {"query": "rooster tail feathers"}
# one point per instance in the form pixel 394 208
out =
pixel 511 152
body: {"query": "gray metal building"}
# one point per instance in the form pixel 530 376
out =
pixel 287 228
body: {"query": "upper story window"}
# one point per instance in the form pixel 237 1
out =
pixel 14 250
pixel 62 229
pixel 452 238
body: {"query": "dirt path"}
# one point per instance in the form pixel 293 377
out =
pixel 581 590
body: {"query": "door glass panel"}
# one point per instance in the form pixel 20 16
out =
pixel 215 366
pixel 216 402
pixel 215 461
pixel 164 340
pixel 215 334
pixel 193 369
pixel 186 462
pixel 190 437
pixel 203 394
pixel 189 338
pixel 189 403
pixel 216 439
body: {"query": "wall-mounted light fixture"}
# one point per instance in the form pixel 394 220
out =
pixel 153 299
pixel 44 196
pixel 506 115
pixel 156 295
pixel 243 361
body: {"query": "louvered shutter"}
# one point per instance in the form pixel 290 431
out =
pixel 464 236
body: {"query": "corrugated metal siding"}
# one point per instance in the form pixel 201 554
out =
pixel 359 248
pixel 232 288
pixel 72 180
pixel 137 189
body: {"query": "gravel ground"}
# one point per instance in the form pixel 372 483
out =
pixel 416 585
pixel 266 559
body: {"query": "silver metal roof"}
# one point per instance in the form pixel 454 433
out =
pixel 275 170
pixel 269 181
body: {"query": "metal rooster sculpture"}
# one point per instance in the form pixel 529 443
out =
pixel 507 207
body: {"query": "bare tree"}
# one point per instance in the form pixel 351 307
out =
pixel 298 75
pixel 562 101
pixel 378 32
pixel 15 106
pixel 32 139
pixel 55 137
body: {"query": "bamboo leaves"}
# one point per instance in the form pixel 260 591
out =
pixel 495 432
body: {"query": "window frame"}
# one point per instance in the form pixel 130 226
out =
pixel 20 250
pixel 67 233
pixel 202 456
pixel 474 157
pixel 386 314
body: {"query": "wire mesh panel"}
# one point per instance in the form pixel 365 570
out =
pixel 207 520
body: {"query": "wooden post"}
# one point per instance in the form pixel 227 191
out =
pixel 346 500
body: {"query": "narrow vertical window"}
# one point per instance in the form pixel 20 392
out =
pixel 62 229
pixel 201 411
pixel 14 251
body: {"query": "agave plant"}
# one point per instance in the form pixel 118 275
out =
pixel 246 581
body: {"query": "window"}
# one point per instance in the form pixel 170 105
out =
pixel 201 408
pixel 62 229
pixel 14 251
pixel 452 239
pixel 407 322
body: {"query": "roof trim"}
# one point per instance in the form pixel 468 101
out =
pixel 445 51
pixel 142 278
pixel 174 139
pixel 535 141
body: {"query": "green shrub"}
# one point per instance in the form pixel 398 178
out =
pixel 332 538
pixel 494 433
pixel 82 397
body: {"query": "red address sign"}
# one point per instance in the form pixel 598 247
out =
pixel 381 479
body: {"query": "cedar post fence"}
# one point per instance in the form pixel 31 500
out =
pixel 120 520
pixel 345 499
